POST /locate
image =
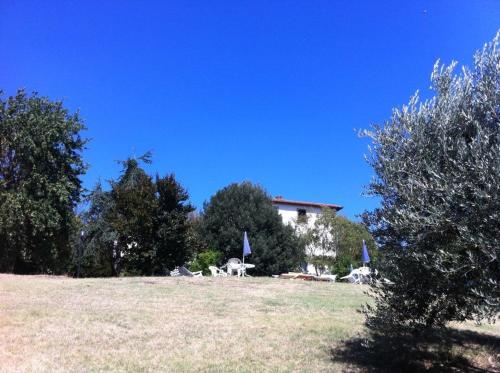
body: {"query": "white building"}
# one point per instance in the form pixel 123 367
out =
pixel 305 213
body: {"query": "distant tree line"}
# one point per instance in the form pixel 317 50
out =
pixel 135 225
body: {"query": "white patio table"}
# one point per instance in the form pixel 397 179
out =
pixel 244 268
pixel 240 269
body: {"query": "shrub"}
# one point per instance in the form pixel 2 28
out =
pixel 204 259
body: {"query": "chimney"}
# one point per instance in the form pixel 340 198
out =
pixel 278 197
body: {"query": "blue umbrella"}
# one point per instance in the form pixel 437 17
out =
pixel 247 250
pixel 365 257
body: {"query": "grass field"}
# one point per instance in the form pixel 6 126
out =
pixel 178 324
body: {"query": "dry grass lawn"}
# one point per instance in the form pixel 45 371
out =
pixel 176 324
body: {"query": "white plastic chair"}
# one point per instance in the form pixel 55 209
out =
pixel 217 272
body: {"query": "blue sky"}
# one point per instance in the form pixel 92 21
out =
pixel 226 91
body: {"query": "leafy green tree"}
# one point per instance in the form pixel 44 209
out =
pixel 336 242
pixel 246 207
pixel 438 176
pixel 321 239
pixel 95 252
pixel 132 217
pixel 40 168
pixel 350 244
pixel 195 239
pixel 323 236
pixel 172 228
pixel 139 227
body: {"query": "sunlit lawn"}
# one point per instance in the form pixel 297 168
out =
pixel 176 324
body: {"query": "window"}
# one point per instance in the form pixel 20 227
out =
pixel 302 216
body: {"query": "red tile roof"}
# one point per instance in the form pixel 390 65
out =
pixel 282 201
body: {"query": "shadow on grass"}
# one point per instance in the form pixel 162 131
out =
pixel 449 351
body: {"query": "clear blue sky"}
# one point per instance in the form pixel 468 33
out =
pixel 225 91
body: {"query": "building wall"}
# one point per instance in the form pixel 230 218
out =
pixel 289 214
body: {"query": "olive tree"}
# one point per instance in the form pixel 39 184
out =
pixel 437 166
